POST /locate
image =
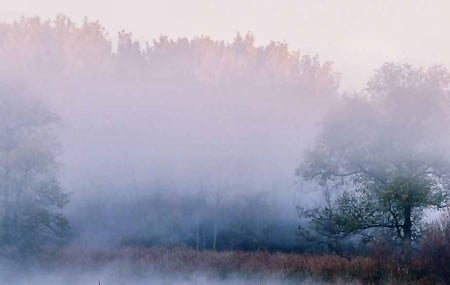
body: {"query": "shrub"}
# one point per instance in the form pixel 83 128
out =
pixel 434 252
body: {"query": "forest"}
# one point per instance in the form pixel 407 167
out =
pixel 238 163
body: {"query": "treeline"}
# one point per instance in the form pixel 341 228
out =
pixel 59 48
pixel 181 110
pixel 203 221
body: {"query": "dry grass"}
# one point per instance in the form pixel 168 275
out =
pixel 434 252
pixel 328 268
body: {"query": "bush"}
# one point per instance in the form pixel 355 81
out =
pixel 434 252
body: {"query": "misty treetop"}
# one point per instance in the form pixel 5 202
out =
pixel 61 48
pixel 383 157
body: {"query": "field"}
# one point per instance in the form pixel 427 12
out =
pixel 188 266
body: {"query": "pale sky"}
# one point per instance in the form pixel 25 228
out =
pixel 357 35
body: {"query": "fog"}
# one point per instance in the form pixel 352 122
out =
pixel 196 120
pixel 194 142
pixel 118 274
pixel 74 267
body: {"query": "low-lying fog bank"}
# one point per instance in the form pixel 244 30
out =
pixel 182 266
pixel 109 277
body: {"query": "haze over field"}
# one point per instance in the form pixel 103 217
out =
pixel 241 140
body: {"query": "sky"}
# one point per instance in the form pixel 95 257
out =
pixel 357 35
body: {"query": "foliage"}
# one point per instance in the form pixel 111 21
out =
pixel 382 158
pixel 85 53
pixel 29 191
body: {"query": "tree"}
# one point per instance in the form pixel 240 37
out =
pixel 31 197
pixel 383 157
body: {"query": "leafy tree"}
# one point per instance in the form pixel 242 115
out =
pixel 382 158
pixel 30 194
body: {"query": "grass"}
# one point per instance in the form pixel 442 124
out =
pixel 297 267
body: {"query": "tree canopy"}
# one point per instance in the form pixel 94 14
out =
pixel 30 194
pixel 383 157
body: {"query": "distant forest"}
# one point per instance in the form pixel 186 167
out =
pixel 65 50
pixel 247 91
pixel 175 142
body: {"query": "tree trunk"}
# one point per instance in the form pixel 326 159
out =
pixel 6 196
pixel 197 235
pixel 214 245
pixel 407 234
